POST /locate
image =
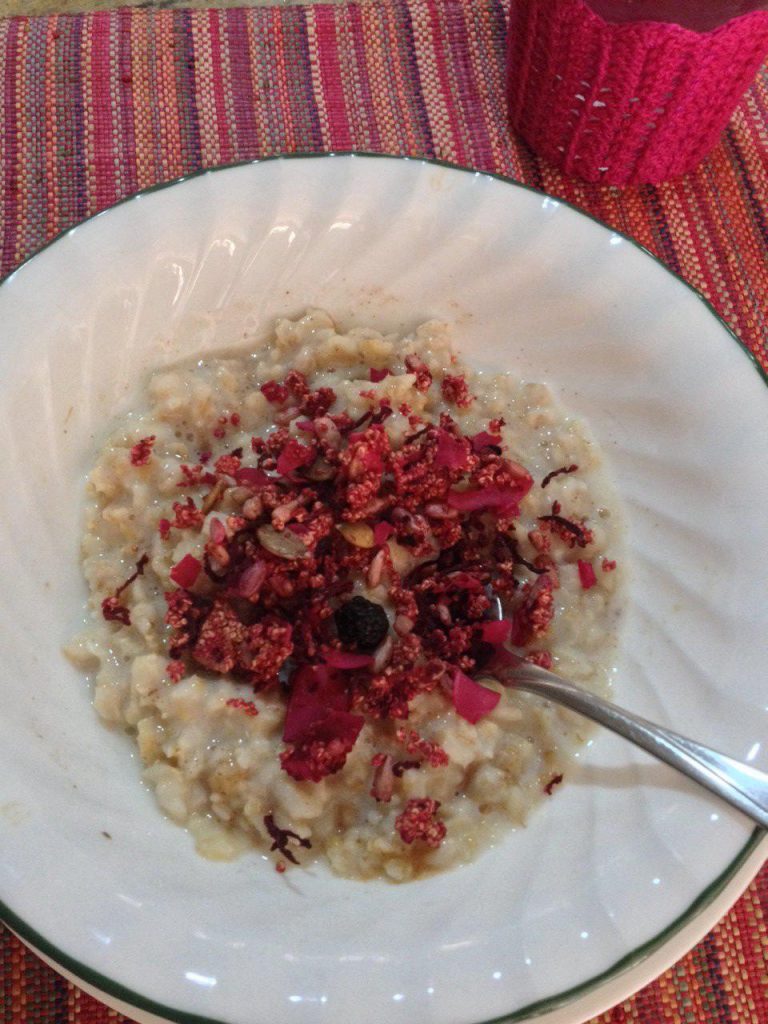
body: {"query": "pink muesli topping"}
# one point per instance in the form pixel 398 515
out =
pixel 541 658
pixel 484 440
pixel 185 572
pixel 175 671
pixel 419 822
pixel 142 451
pixel 587 576
pixel 415 744
pixel 471 700
pixel 247 706
pixel 186 515
pixel 321 503
pixel 455 391
pixel 417 366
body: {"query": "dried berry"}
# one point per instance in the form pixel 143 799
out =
pixel 142 450
pixel 361 623
pixel 113 611
pixel 454 389
pixel 243 705
pixel 415 744
pixel 419 821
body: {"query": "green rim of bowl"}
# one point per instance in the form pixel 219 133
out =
pixel 550 1003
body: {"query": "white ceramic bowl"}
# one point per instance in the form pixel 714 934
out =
pixel 614 878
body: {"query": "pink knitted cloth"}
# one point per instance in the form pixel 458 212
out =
pixel 625 103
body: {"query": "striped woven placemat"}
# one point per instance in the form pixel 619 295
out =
pixel 95 107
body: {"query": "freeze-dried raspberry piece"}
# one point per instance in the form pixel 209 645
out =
pixel 419 822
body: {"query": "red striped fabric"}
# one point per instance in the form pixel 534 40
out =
pixel 94 107
pixel 97 106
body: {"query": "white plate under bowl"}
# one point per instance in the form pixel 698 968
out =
pixel 625 866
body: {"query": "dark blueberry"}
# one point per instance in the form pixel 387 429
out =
pixel 361 624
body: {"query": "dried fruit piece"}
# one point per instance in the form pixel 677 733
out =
pixel 534 615
pixel 186 571
pixel 418 821
pixel 484 441
pixel 111 608
pixel 417 366
pixel 251 580
pixel 175 670
pixel 452 452
pixel 471 700
pixel 323 749
pixel 361 623
pixel 293 456
pixel 250 476
pixel 274 392
pixel 496 632
pixel 346 660
pixel 415 744
pixel 455 390
pixel 587 576
pixel 243 705
pixel 382 532
pixel 113 611
pixel 142 450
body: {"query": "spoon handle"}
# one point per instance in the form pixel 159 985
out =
pixel 739 784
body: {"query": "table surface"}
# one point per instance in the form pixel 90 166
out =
pixel 11 8
pixel 414 77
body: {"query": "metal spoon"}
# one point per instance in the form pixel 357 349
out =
pixel 738 784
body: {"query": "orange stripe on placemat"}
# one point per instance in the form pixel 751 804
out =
pixel 209 96
pixel 384 35
pixel 141 116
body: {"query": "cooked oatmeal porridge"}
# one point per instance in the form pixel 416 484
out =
pixel 289 554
